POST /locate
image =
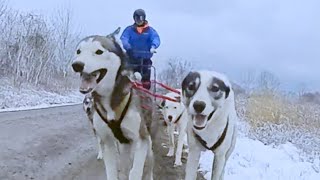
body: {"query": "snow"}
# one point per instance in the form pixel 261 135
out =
pixel 15 99
pixel 252 160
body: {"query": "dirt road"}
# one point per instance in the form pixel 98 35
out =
pixel 57 143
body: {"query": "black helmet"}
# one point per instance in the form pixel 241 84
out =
pixel 139 16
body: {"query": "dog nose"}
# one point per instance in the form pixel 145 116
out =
pixel 199 106
pixel 170 117
pixel 78 66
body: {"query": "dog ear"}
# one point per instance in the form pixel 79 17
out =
pixel 114 33
pixel 178 98
pixel 163 103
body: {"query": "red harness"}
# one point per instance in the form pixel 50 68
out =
pixel 139 86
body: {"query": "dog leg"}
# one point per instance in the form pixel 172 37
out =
pixel 179 147
pixel 220 160
pixel 99 148
pixel 171 140
pixel 125 164
pixel 218 166
pixel 140 153
pixel 110 157
pixel 233 144
pixel 193 158
pixel 230 150
pixel 148 168
pixel 185 142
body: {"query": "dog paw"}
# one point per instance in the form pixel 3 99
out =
pixel 176 164
pixel 99 157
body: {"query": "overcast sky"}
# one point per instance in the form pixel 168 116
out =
pixel 231 36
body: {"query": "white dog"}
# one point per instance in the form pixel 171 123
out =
pixel 118 119
pixel 175 116
pixel 209 99
pixel 89 109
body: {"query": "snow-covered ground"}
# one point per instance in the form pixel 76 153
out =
pixel 251 159
pixel 12 99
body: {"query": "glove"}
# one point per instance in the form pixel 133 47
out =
pixel 153 50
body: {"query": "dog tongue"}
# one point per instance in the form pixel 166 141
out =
pixel 199 120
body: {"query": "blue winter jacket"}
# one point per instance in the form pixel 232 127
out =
pixel 137 44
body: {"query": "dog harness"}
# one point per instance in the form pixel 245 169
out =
pixel 218 143
pixel 115 125
pixel 178 119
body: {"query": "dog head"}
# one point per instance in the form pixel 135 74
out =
pixel 88 104
pixel 98 59
pixel 204 94
pixel 172 110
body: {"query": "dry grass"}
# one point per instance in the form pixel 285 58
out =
pixel 275 118
pixel 269 107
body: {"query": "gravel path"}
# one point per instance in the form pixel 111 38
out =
pixel 58 143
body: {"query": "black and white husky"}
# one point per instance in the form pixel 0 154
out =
pixel 209 99
pixel 118 119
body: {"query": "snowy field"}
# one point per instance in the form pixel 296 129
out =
pixel 251 160
pixel 12 99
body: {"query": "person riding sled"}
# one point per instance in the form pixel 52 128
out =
pixel 140 41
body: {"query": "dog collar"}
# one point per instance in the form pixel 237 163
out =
pixel 218 143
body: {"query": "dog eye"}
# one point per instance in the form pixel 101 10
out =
pixel 99 52
pixel 192 86
pixel 214 88
pixel 78 51
pixel 175 107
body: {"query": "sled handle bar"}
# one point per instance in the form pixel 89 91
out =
pixel 142 52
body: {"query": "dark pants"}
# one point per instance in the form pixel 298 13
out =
pixel 144 70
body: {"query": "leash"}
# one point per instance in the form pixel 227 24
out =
pixel 166 87
pixel 139 87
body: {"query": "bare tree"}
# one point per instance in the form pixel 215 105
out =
pixel 176 70
pixel 302 89
pixel 35 50
pixel 3 7
pixel 268 81
pixel 65 36
pixel 249 79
